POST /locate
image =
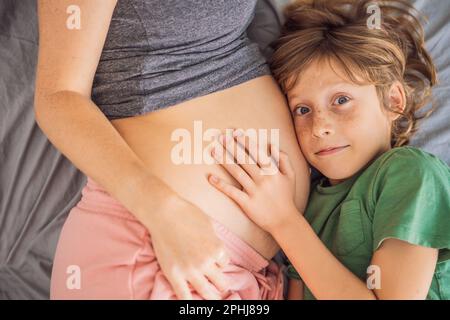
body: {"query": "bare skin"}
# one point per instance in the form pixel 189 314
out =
pixel 130 157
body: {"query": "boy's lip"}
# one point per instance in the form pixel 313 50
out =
pixel 330 150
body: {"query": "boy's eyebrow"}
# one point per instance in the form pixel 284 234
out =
pixel 293 97
pixel 293 106
pixel 329 88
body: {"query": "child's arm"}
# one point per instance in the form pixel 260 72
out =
pixel 406 270
pixel 324 275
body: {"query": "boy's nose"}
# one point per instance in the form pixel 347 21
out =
pixel 321 128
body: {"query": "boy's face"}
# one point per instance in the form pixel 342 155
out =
pixel 332 112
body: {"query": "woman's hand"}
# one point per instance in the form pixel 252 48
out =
pixel 268 181
pixel 188 250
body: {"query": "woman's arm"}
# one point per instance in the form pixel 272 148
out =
pixel 67 62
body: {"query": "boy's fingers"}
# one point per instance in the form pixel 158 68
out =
pixel 275 155
pixel 231 191
pixel 248 163
pixel 256 148
pixel 250 147
pixel 234 169
pixel 286 163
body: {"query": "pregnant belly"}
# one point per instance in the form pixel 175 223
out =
pixel 173 143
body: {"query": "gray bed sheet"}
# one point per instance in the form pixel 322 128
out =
pixel 39 186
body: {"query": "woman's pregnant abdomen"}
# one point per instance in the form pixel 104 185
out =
pixel 257 105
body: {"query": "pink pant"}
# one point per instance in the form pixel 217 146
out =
pixel 105 253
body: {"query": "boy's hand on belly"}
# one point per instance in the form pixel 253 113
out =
pixel 267 180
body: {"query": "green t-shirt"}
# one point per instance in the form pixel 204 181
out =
pixel 402 194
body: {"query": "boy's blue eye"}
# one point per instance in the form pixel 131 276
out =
pixel 301 111
pixel 341 100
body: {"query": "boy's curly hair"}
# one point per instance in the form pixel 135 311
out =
pixel 338 30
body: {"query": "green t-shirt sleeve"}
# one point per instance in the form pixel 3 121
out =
pixel 411 196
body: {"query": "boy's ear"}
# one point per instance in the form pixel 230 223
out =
pixel 396 99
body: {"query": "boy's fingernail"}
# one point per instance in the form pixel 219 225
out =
pixel 213 178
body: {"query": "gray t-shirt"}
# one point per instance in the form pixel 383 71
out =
pixel 159 53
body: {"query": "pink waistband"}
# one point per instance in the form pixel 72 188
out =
pixel 96 199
